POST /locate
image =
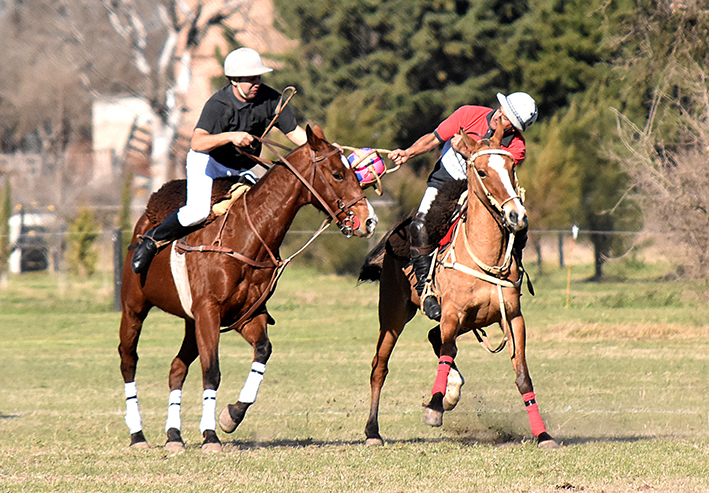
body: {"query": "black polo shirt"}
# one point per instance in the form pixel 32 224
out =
pixel 223 112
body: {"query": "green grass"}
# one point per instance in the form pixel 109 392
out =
pixel 621 377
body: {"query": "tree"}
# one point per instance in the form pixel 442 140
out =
pixel 55 55
pixel 5 213
pixel 163 36
pixel 409 62
pixel 83 233
pixel 665 57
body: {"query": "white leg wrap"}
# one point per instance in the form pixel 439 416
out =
pixel 133 419
pixel 253 382
pixel 174 408
pixel 209 411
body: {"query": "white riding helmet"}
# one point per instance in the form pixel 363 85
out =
pixel 244 62
pixel 520 109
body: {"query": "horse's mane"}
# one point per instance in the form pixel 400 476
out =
pixel 173 195
pixel 396 241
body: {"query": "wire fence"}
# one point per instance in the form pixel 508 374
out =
pixel 51 251
pixel 40 250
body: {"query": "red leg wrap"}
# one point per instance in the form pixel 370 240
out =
pixel 444 368
pixel 535 419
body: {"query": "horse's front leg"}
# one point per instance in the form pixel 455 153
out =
pixel 455 379
pixel 178 373
pixel 207 324
pixel 256 334
pixel 524 383
pixel 433 413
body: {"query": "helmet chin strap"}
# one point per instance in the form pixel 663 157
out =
pixel 238 88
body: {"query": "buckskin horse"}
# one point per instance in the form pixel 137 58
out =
pixel 477 277
pixel 222 275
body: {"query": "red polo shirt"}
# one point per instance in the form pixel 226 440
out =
pixel 474 120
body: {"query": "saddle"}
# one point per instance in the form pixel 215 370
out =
pixel 439 220
pixel 173 195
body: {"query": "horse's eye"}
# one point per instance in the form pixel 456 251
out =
pixel 337 175
pixel 482 174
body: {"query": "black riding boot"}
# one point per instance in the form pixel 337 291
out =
pixel 169 229
pixel 421 259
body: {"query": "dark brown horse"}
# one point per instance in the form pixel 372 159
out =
pixel 477 279
pixel 222 275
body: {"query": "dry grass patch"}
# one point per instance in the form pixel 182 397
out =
pixel 576 330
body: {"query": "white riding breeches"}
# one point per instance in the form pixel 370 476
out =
pixel 202 170
pixel 428 197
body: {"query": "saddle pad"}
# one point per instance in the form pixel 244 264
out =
pixel 236 191
pixel 178 266
pixel 173 195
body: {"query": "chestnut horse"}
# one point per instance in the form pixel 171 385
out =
pixel 230 268
pixel 477 279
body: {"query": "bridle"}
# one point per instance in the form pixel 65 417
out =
pixel 493 274
pixel 495 207
pixel 346 224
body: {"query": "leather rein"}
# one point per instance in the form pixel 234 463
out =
pixel 345 225
pixel 492 274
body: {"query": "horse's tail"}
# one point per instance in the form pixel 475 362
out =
pixel 371 269
pixel 395 243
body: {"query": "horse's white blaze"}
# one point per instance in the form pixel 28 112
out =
pixel 372 219
pixel 133 418
pixel 497 163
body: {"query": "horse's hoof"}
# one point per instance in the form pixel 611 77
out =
pixel 545 441
pixel 211 442
pixel 225 422
pixel 232 416
pixel 175 447
pixel 452 395
pixel 138 441
pixel 174 442
pixel 374 442
pixel 211 447
pixel 432 417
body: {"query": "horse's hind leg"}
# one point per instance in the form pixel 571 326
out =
pixel 524 383
pixel 256 334
pixel 178 373
pixel 129 334
pixel 395 311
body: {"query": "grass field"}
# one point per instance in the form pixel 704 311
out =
pixel 621 376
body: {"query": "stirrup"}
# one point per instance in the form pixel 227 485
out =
pixel 430 306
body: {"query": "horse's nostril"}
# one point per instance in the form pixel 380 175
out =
pixel 513 218
pixel 371 223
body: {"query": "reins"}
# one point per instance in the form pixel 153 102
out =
pixel 491 274
pixel 274 262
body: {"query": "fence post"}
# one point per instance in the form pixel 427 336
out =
pixel 117 268
pixel 561 250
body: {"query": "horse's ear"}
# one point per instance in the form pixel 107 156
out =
pixel 469 143
pixel 497 137
pixel 467 146
pixel 314 141
pixel 318 131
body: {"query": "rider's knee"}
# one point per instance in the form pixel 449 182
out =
pixel 189 215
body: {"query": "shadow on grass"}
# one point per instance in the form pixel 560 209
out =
pixel 505 440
